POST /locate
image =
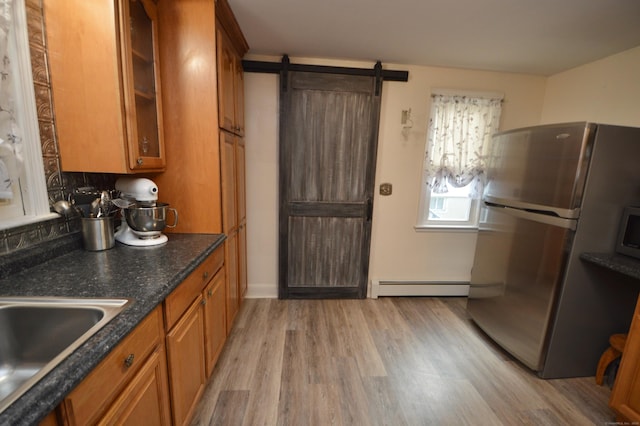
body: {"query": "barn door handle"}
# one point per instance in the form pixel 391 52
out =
pixel 369 209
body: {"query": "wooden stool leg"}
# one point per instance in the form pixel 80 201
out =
pixel 607 357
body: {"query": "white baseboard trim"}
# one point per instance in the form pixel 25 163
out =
pixel 381 288
pixel 262 291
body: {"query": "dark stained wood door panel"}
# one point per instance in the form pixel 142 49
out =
pixel 328 142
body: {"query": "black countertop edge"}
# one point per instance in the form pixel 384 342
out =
pixel 616 262
pixel 144 275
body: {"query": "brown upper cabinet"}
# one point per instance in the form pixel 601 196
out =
pixel 103 59
pixel 191 35
pixel 230 83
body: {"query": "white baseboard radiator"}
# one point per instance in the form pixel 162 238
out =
pixel 380 288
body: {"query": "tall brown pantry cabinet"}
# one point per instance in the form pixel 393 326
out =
pixel 201 46
pixel 230 49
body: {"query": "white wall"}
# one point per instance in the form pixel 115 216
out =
pixel 398 251
pixel 604 91
pixel 261 150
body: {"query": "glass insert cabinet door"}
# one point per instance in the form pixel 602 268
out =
pixel 140 57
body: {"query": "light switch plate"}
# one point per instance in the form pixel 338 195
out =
pixel 386 189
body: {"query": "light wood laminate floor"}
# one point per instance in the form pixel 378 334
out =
pixel 390 361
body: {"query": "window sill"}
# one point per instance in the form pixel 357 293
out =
pixel 445 228
pixel 26 220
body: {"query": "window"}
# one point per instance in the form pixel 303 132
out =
pixel 460 129
pixel 23 193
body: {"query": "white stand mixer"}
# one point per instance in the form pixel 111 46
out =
pixel 141 225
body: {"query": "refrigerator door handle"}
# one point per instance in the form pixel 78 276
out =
pixel 565 213
pixel 537 217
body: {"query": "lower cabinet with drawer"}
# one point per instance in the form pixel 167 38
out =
pixel 129 386
pixel 157 374
pixel 196 331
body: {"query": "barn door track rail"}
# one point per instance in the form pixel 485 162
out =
pixel 284 66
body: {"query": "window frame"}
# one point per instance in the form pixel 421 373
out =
pixel 33 186
pixel 426 224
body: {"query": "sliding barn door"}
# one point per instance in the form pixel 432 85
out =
pixel 328 140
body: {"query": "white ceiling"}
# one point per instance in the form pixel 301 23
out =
pixel 525 36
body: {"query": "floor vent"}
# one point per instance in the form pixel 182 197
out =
pixel 418 288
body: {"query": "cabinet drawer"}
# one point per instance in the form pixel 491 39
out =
pixel 86 403
pixel 180 299
pixel 146 400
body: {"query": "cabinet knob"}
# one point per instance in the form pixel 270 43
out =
pixel 210 292
pixel 203 302
pixel 140 161
pixel 205 275
pixel 128 361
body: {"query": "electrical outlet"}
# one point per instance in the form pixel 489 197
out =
pixel 385 189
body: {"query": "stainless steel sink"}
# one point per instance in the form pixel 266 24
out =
pixel 36 334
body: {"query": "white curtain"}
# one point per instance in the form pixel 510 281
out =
pixel 9 133
pixel 460 130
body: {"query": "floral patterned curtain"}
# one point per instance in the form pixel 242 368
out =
pixel 460 129
pixel 9 134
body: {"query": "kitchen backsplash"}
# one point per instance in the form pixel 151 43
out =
pixel 59 184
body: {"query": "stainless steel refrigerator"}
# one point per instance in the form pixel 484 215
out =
pixel 554 192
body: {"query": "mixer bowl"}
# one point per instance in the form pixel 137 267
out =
pixel 149 219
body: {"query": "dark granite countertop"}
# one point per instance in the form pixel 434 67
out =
pixel 623 264
pixel 144 274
